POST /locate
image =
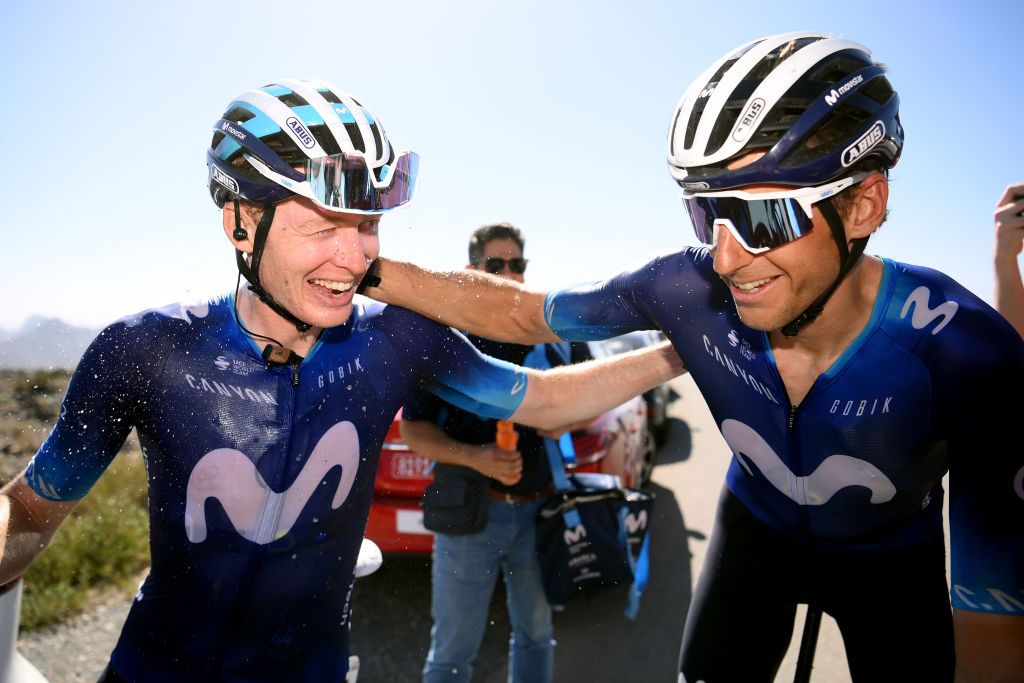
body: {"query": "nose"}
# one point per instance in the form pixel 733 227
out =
pixel 347 252
pixel 729 255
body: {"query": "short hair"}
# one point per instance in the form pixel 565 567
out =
pixel 493 231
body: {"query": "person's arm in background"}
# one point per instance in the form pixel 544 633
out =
pixel 470 300
pixel 27 524
pixel 1009 294
pixel 426 438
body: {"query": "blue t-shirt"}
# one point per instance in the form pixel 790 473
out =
pixel 931 384
pixel 259 489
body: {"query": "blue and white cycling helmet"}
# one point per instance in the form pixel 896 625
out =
pixel 299 137
pixel 817 105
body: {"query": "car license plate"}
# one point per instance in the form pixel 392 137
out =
pixel 410 466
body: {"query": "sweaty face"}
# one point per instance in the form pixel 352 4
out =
pixel 773 287
pixel 504 249
pixel 314 260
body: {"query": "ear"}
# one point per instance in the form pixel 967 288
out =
pixel 228 223
pixel 868 210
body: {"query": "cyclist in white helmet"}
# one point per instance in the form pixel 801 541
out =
pixel 846 385
pixel 261 413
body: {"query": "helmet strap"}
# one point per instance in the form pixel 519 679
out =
pixel 252 273
pixel 847 259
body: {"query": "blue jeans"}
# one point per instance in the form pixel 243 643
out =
pixel 464 575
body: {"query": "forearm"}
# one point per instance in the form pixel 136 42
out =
pixel 573 393
pixel 989 648
pixel 24 533
pixel 1009 294
pixel 427 439
pixel 476 302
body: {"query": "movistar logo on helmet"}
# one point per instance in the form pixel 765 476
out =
pixel 864 143
pixel 228 128
pixel 746 123
pixel 223 178
pixel 833 97
pixel 301 132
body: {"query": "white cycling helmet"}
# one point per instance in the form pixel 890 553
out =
pixel 818 106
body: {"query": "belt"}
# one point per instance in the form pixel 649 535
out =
pixel 505 497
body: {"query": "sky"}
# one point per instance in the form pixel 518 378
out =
pixel 550 115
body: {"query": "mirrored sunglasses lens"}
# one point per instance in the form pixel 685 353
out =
pixel 347 182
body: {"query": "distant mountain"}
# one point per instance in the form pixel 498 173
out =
pixel 44 343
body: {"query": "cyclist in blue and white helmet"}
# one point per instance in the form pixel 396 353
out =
pixel 798 110
pixel 845 384
pixel 304 139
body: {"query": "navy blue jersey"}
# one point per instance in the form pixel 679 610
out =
pixel 928 386
pixel 259 489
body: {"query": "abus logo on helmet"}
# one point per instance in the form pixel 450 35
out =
pixel 224 179
pixel 305 137
pixel 833 97
pixel 864 143
pixel 743 128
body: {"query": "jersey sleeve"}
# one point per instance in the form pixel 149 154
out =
pixel 99 409
pixel 629 301
pixel 479 384
pixel 981 414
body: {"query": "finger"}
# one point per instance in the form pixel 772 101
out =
pixel 1011 193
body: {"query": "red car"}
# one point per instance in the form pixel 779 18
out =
pixel 617 442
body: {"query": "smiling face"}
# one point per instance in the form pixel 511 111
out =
pixel 312 263
pixel 774 287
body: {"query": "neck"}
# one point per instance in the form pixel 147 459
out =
pixel 260 319
pixel 844 316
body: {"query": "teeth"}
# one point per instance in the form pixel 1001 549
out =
pixel 750 286
pixel 332 285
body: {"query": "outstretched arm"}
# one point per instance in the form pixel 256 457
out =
pixel 1009 294
pixel 571 393
pixel 989 647
pixel 426 438
pixel 27 523
pixel 474 301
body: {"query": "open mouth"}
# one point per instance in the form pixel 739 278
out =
pixel 750 287
pixel 331 287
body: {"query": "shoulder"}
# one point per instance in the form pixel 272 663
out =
pixel 927 303
pixel 943 322
pixel 150 335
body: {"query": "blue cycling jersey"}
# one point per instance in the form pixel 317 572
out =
pixel 259 488
pixel 928 386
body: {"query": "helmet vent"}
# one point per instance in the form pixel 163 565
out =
pixel 239 115
pixel 292 99
pixel 355 136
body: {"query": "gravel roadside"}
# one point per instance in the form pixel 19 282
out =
pixel 390 631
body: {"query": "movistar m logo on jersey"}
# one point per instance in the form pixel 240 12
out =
pixel 258 513
pixel 836 472
pixel 924 314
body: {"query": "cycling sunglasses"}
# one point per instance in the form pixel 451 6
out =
pixel 495 265
pixel 763 220
pixel 346 182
